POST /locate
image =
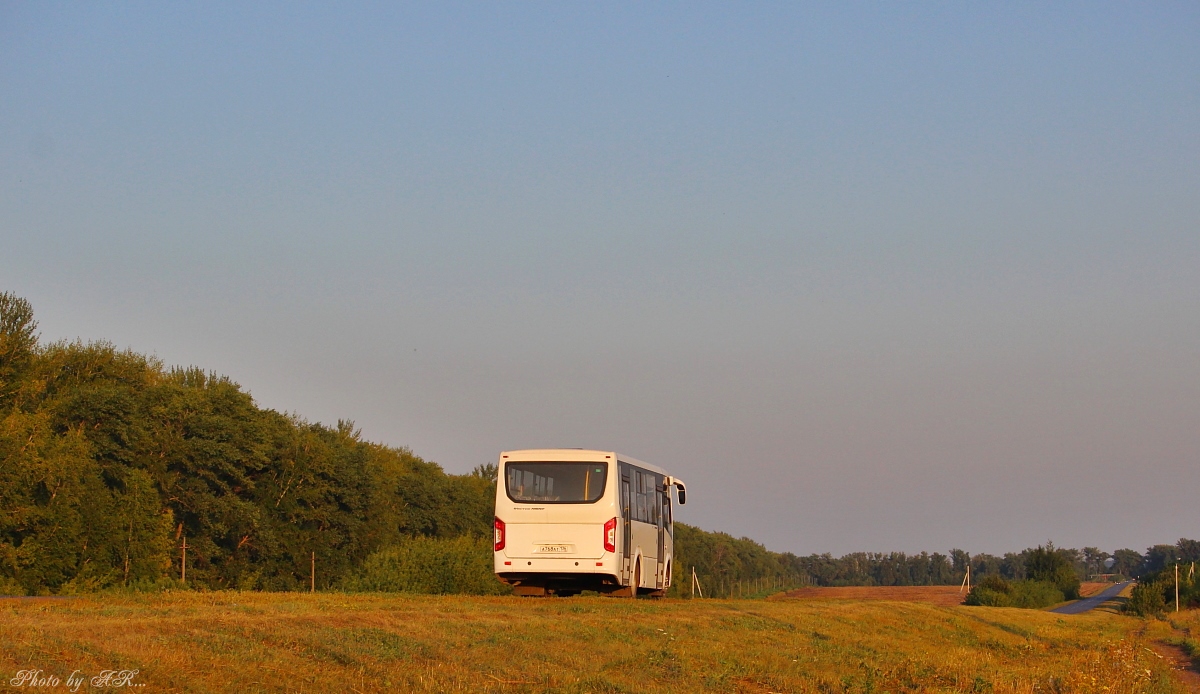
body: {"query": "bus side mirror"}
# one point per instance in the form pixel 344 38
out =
pixel 681 489
pixel 678 484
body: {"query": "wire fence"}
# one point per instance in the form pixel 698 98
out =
pixel 748 588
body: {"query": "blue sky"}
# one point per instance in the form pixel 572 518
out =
pixel 869 277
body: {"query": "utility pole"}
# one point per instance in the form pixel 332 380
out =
pixel 312 585
pixel 1177 586
pixel 183 563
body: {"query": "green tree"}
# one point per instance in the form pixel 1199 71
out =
pixel 43 479
pixel 960 560
pixel 1128 562
pixel 18 343
pixel 1045 563
pixel 1160 557
pixel 1095 559
pixel 985 564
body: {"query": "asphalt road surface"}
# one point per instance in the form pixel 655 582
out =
pixel 1093 602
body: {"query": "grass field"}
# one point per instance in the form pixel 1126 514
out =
pixel 367 643
pixel 946 596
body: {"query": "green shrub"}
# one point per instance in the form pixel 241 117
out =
pixel 1036 594
pixel 1155 591
pixel 987 597
pixel 1052 566
pixel 1148 599
pixel 994 591
pixel 1189 588
pixel 461 565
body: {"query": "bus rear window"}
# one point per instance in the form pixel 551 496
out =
pixel 555 483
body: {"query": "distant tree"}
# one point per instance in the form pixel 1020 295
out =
pixel 1045 563
pixel 1094 558
pixel 1188 550
pixel 960 560
pixel 1160 557
pixel 1012 566
pixel 722 561
pixel 985 564
pixel 1128 562
pixel 940 570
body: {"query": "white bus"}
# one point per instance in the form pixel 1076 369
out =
pixel 569 520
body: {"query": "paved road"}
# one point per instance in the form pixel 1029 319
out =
pixel 1093 602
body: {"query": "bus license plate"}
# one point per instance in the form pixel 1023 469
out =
pixel 555 549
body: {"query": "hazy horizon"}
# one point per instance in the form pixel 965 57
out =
pixel 868 278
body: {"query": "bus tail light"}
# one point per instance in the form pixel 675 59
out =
pixel 499 534
pixel 610 535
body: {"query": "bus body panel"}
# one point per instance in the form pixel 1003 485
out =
pixel 542 540
pixel 645 542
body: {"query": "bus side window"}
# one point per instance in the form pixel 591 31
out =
pixel 640 513
pixel 637 495
pixel 626 507
pixel 652 498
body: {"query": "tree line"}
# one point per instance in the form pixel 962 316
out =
pixel 722 560
pixel 110 462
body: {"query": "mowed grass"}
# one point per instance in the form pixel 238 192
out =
pixel 230 641
pixel 945 596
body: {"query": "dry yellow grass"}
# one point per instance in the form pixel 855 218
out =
pixel 945 596
pixel 218 642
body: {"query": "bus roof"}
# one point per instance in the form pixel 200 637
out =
pixel 574 454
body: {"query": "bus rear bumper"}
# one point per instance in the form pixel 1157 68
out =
pixel 558 575
pixel 559 583
pixel 605 564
